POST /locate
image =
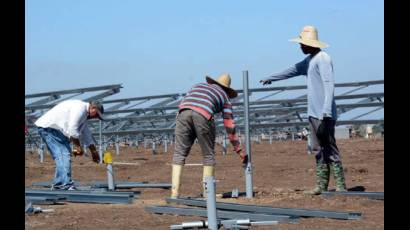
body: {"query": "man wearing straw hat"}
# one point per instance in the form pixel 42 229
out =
pixel 318 68
pixel 195 120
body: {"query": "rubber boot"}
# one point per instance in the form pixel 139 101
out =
pixel 176 180
pixel 338 174
pixel 208 171
pixel 322 179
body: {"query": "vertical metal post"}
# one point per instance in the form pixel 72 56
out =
pixel 224 145
pixel 248 169
pixel 211 202
pixel 145 144
pixel 110 170
pixel 117 146
pixel 309 143
pixel 293 136
pixel 100 150
pixel 166 144
pixel 41 151
pixel 110 174
pixel 153 147
pixel 270 138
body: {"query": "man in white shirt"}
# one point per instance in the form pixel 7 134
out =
pixel 65 122
pixel 318 68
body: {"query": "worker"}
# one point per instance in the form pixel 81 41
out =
pixel 64 123
pixel 196 120
pixel 318 68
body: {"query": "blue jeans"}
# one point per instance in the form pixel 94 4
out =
pixel 60 149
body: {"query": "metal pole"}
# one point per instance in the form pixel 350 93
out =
pixel 117 146
pixel 110 174
pixel 211 202
pixel 224 145
pixel 100 150
pixel 309 143
pixel 166 144
pixel 41 151
pixel 153 147
pixel 270 138
pixel 248 169
pixel 110 171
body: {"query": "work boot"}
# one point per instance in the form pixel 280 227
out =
pixel 338 174
pixel 176 180
pixel 322 179
pixel 208 171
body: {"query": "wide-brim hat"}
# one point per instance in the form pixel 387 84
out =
pixel 225 82
pixel 309 36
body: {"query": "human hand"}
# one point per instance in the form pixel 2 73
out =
pixel 265 82
pixel 77 151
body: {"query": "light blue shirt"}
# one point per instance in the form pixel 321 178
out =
pixel 320 83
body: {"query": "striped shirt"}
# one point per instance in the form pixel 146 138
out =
pixel 208 100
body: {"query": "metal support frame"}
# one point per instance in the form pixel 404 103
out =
pixel 221 214
pixel 248 169
pixel 270 210
pixel 371 195
pixel 86 196
pixel 158 119
pixel 209 185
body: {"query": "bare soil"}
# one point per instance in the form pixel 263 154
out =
pixel 282 171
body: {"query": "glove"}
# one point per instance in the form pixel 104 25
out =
pixel 322 132
pixel 95 156
pixel 242 155
pixel 244 159
pixel 77 151
pixel 94 153
pixel 266 82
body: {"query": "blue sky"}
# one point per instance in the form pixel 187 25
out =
pixel 160 47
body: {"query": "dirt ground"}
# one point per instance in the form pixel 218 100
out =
pixel 281 172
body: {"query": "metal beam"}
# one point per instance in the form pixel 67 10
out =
pixel 270 210
pixel 89 196
pixel 339 97
pixel 45 100
pixel 371 195
pixel 220 214
pixel 298 87
pixel 70 91
pixel 174 95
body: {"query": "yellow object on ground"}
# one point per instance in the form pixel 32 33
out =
pixel 107 158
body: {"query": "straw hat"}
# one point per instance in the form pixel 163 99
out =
pixel 225 82
pixel 309 36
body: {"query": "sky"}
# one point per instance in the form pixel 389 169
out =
pixel 160 47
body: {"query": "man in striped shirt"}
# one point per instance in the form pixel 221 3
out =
pixel 195 120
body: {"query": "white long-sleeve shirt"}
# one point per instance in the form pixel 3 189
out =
pixel 320 83
pixel 69 117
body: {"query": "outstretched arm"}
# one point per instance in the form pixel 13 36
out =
pixel 296 70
